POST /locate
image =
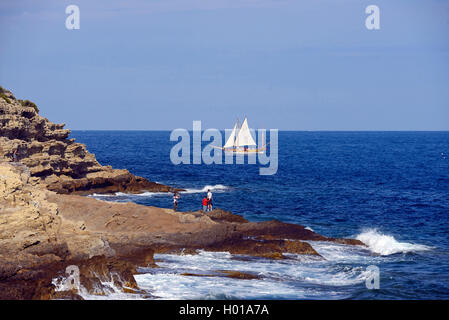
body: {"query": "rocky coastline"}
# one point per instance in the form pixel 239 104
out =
pixel 46 224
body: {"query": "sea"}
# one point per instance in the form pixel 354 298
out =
pixel 388 189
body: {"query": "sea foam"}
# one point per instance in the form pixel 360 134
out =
pixel 298 277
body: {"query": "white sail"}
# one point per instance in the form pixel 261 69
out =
pixel 231 140
pixel 244 138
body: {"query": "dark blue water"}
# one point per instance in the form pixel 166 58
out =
pixel 389 188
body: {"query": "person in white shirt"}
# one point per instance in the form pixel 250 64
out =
pixel 209 200
pixel 175 200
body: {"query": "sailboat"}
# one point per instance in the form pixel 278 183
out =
pixel 241 139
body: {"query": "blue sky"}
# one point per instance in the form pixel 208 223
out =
pixel 291 65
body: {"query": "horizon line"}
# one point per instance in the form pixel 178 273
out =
pixel 288 130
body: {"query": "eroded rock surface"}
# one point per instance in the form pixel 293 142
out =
pixel 58 162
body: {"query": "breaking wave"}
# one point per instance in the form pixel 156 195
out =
pixel 126 197
pixel 101 290
pixel 216 188
pixel 147 194
pixel 386 245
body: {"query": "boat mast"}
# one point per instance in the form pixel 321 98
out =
pixel 237 135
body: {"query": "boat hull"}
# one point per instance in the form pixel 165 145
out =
pixel 244 152
pixel 236 151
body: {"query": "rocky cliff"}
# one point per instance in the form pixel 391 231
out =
pixel 55 160
pixel 33 236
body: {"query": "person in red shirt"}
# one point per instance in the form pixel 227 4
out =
pixel 205 203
